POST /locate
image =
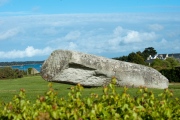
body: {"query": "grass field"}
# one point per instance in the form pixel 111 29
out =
pixel 35 85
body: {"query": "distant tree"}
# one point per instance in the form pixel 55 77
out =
pixel 136 58
pixel 173 62
pixel 8 72
pixel 139 53
pixel 170 71
pixel 159 64
pixel 123 58
pixel 148 51
pixel 131 57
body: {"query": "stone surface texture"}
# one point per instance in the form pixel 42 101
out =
pixel 90 70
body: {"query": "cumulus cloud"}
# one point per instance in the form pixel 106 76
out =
pixel 132 36
pixel 30 51
pixel 135 36
pixel 126 36
pixel 91 33
pixel 118 31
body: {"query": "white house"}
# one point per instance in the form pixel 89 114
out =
pixel 150 59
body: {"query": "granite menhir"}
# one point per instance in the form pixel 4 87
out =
pixel 90 70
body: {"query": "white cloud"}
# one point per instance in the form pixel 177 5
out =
pixel 91 33
pixel 165 46
pixel 73 35
pixel 118 31
pixel 9 33
pixel 28 52
pixel 156 27
pixel 130 36
pixel 135 36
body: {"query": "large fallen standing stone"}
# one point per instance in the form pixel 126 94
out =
pixel 90 70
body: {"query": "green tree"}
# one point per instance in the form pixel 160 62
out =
pixel 138 57
pixel 148 51
pixel 123 58
pixel 8 72
pixel 159 64
pixel 139 53
pixel 173 62
pixel 135 58
pixel 169 63
pixel 131 57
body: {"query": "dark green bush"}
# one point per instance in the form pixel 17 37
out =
pixel 9 73
pixel 173 75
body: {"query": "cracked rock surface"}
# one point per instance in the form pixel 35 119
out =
pixel 89 70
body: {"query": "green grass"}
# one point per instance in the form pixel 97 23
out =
pixel 35 85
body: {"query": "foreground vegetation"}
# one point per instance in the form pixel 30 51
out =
pixel 60 101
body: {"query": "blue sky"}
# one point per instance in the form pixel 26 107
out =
pixel 31 30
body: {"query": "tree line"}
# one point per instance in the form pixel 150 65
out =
pixel 9 73
pixel 20 63
pixel 170 67
pixel 138 57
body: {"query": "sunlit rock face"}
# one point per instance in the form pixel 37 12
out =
pixel 89 70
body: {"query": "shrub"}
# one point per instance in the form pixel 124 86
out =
pixel 109 105
pixel 173 75
pixel 9 73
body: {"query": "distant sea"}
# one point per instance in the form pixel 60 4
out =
pixel 26 66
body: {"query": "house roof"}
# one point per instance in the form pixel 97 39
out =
pixel 176 55
pixel 163 56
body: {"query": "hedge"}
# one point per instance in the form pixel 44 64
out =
pixel 173 75
pixel 9 73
